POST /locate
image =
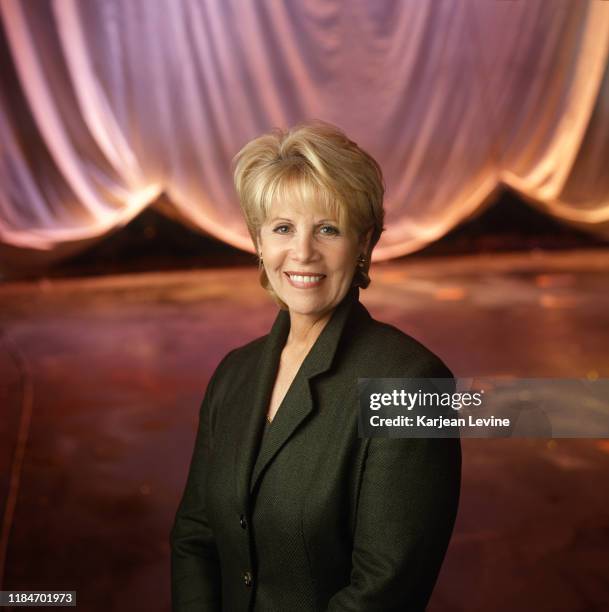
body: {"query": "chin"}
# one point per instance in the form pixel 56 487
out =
pixel 305 306
pixel 308 305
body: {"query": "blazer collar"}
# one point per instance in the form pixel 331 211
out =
pixel 318 360
pixel 321 355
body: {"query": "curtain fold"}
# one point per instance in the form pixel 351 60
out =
pixel 106 105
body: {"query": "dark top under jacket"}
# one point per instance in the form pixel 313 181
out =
pixel 309 516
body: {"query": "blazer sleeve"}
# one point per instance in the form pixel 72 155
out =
pixel 195 565
pixel 405 516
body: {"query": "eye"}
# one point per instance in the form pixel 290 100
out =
pixel 329 230
pixel 282 229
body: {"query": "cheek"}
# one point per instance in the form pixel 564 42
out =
pixel 346 258
pixel 273 255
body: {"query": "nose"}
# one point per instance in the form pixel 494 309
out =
pixel 304 247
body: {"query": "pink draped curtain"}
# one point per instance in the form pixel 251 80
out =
pixel 106 105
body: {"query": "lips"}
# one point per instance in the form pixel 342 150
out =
pixel 304 280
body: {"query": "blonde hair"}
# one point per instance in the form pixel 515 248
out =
pixel 316 163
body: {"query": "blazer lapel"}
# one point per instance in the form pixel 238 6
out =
pixel 257 395
pixel 249 466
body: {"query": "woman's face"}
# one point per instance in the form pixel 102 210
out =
pixel 309 260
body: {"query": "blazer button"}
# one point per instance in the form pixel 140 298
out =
pixel 248 578
pixel 242 522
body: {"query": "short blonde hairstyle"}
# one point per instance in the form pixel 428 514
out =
pixel 317 164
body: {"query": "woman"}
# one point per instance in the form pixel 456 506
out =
pixel 286 509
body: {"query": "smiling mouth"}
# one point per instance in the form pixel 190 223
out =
pixel 304 281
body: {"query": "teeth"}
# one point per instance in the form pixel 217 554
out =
pixel 305 279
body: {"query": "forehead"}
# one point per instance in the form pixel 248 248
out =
pixel 302 198
pixel 295 209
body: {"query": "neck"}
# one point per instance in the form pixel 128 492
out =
pixel 305 329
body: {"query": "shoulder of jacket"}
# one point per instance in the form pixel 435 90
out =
pixel 400 350
pixel 234 367
pixel 241 356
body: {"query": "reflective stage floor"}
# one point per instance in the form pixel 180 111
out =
pixel 101 380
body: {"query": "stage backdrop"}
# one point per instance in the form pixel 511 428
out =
pixel 106 104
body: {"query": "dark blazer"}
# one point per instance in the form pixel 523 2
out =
pixel 313 518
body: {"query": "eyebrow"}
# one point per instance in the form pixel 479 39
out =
pixel 290 220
